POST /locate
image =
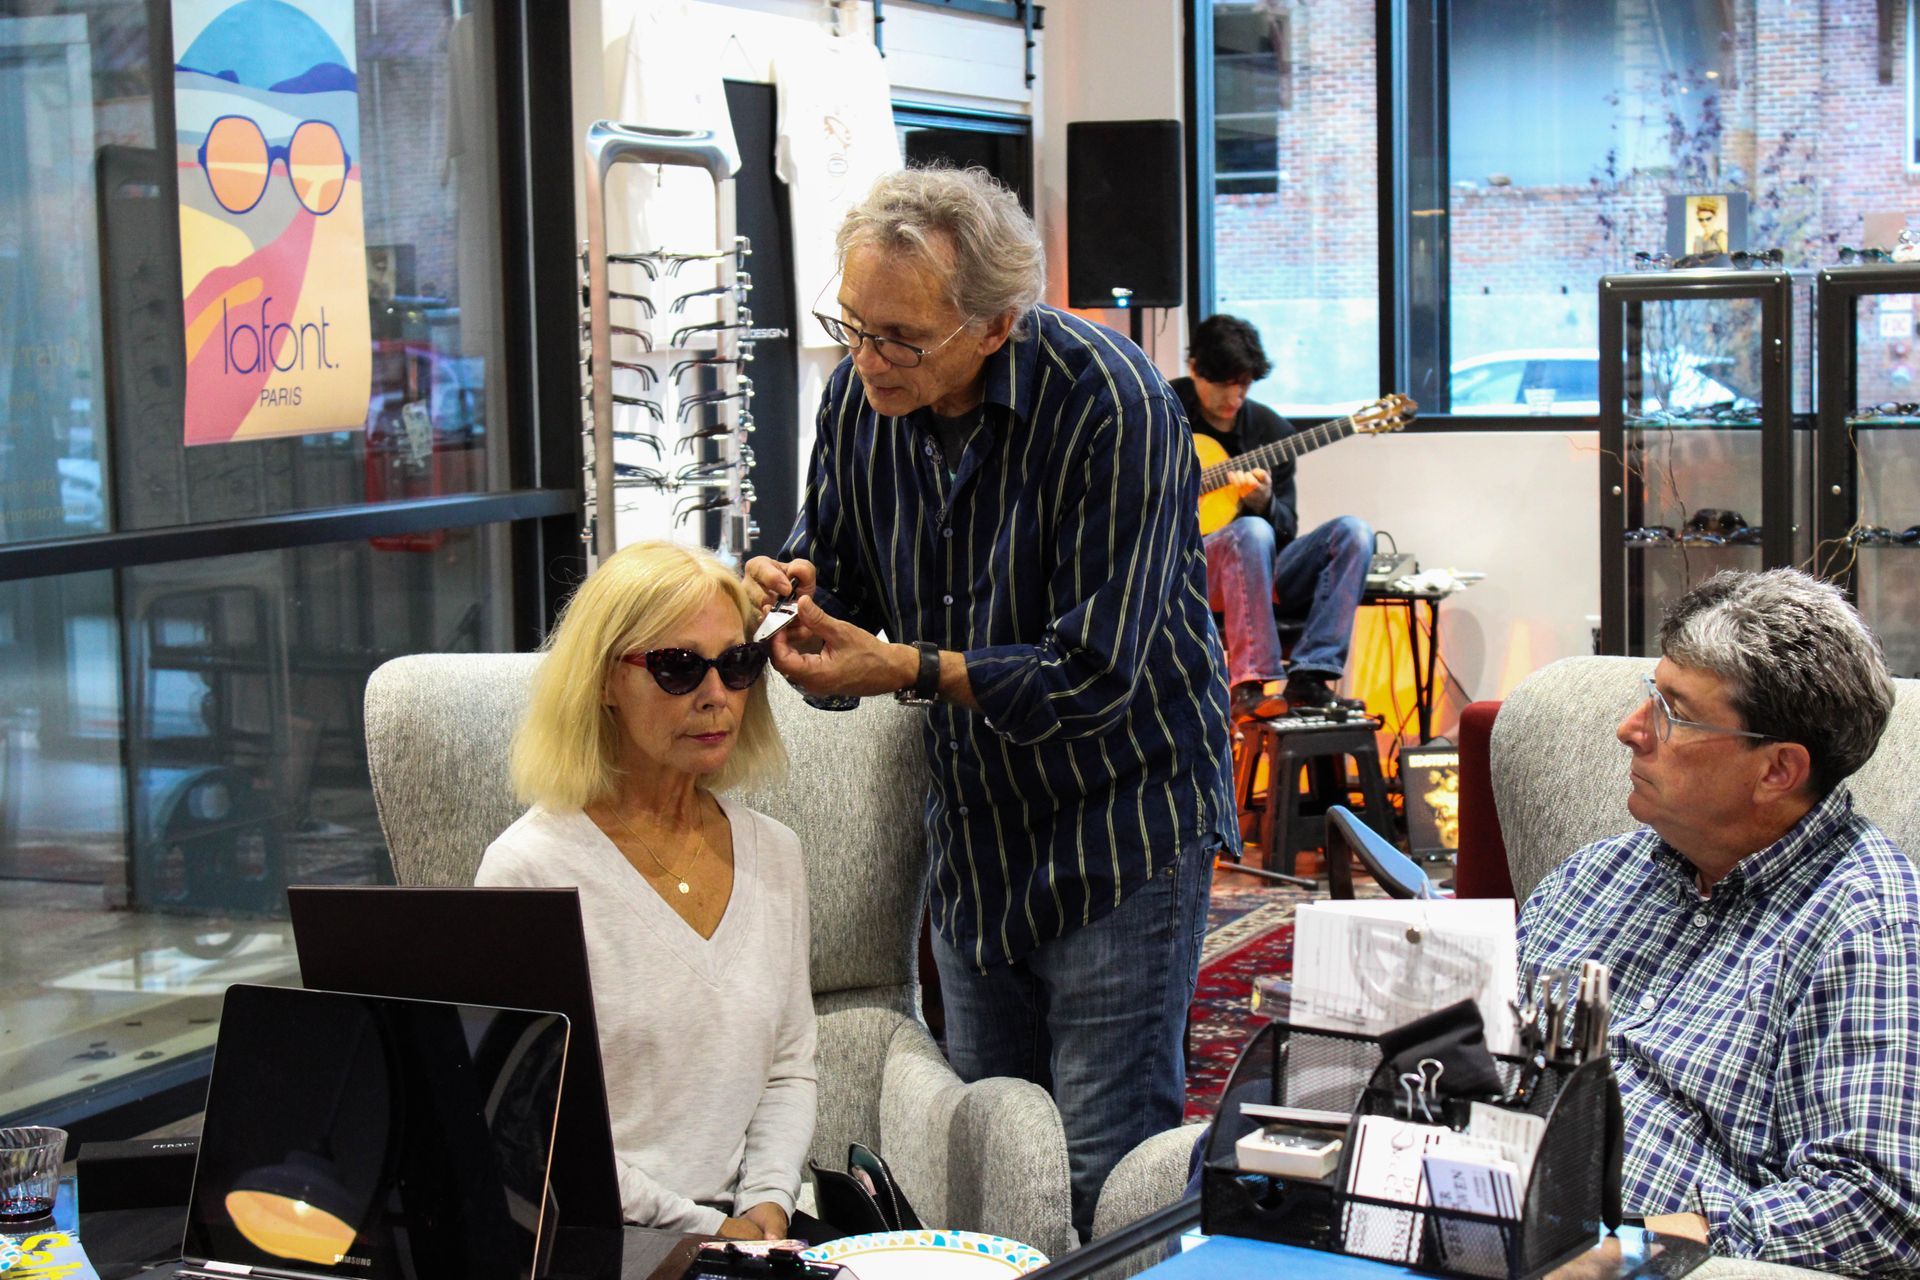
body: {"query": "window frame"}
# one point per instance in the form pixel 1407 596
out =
pixel 541 421
pixel 1411 42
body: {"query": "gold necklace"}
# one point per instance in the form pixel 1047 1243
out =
pixel 646 848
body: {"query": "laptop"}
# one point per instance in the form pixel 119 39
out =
pixel 519 948
pixel 373 1138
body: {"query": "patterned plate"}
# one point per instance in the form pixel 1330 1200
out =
pixel 929 1255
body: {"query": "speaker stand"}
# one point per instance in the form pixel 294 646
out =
pixel 1137 326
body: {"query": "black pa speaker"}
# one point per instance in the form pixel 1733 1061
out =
pixel 1123 213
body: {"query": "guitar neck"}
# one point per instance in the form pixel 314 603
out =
pixel 1285 449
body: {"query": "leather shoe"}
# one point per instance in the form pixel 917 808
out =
pixel 1252 700
pixel 1311 692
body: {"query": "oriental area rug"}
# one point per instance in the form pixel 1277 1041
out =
pixel 1249 935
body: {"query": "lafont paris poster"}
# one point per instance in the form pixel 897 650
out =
pixel 272 245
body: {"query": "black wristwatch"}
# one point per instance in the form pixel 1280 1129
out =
pixel 925 689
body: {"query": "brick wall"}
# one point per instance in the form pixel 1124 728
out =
pixel 1794 115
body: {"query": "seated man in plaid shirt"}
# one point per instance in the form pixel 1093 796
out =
pixel 1764 939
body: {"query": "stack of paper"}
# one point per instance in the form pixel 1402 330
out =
pixel 1430 1165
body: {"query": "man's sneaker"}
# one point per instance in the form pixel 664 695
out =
pixel 1254 700
pixel 1311 692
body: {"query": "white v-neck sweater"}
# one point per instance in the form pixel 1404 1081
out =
pixel 707 1043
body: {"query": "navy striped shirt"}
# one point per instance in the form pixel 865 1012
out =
pixel 1063 557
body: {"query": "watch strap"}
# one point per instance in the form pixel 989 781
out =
pixel 925 688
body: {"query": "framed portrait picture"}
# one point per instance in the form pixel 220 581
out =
pixel 1709 222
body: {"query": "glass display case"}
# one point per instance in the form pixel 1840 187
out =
pixel 1701 465
pixel 1867 495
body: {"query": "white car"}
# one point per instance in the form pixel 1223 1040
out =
pixel 1497 383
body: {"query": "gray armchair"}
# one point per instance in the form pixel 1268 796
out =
pixel 990 1156
pixel 1560 778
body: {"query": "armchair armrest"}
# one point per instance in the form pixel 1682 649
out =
pixel 1150 1177
pixel 989 1156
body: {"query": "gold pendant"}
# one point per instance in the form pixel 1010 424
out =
pixel 685 887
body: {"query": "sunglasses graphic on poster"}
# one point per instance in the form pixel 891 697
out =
pixel 272 244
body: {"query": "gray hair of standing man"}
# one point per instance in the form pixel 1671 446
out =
pixel 1799 663
pixel 961 223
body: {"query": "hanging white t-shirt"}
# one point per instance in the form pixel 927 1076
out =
pixel 672 82
pixel 836 137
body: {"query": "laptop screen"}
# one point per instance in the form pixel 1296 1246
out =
pixel 352 1135
pixel 524 948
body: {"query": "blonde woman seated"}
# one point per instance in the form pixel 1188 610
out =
pixel 648 705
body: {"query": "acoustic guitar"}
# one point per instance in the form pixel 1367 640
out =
pixel 1220 500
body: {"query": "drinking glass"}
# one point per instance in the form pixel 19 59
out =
pixel 29 1172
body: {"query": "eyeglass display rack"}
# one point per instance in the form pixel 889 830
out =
pixel 1696 474
pixel 707 428
pixel 1561 1211
pixel 1867 479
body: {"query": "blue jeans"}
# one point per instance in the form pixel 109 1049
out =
pixel 1097 1017
pixel 1319 576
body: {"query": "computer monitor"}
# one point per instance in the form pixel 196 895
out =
pixel 518 948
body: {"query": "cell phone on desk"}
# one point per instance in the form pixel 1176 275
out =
pixel 773 1259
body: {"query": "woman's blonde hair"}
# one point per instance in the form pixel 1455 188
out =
pixel 567 752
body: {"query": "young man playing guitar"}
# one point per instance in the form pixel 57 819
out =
pixel 1260 558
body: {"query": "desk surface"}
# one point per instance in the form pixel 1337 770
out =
pixel 1628 1254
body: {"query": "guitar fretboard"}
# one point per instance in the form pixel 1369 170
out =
pixel 1283 450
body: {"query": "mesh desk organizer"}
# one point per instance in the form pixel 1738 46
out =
pixel 1561 1211
pixel 705 471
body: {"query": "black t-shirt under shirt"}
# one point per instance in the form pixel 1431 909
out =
pixel 953 434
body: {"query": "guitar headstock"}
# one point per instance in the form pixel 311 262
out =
pixel 1389 413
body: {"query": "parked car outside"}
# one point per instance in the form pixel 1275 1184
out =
pixel 1566 382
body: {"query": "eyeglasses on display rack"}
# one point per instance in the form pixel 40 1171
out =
pixel 238 161
pixel 1707 527
pixel 1875 535
pixel 1722 413
pixel 1850 256
pixel 1886 409
pixel 680 671
pixel 1743 259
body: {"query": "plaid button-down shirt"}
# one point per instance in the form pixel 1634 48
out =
pixel 1767 1039
pixel 1062 556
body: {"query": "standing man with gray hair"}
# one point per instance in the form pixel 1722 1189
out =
pixel 1764 938
pixel 1010 493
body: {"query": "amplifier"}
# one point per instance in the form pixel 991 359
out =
pixel 1386 567
pixel 144 1173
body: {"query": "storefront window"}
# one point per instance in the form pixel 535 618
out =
pixel 1295 193
pixel 178 743
pixel 1566 136
pixel 186 629
pixel 92 317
